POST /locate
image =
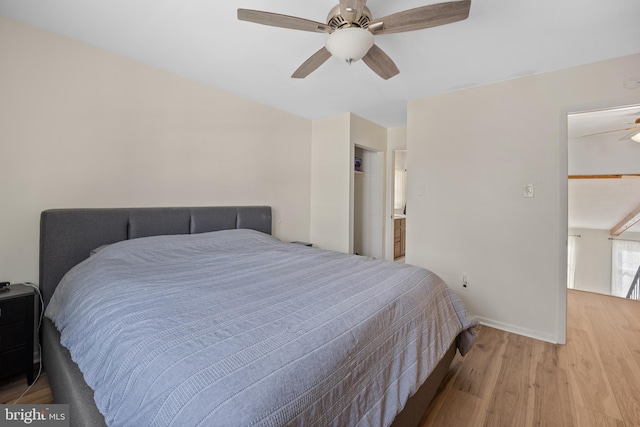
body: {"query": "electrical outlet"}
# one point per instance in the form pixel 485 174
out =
pixel 465 282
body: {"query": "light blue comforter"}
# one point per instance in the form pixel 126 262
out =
pixel 235 328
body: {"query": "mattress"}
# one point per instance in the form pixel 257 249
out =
pixel 237 328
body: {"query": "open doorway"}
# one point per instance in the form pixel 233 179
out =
pixel 603 200
pixel 399 204
pixel 368 203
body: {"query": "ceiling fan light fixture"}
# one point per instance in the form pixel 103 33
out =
pixel 636 137
pixel 349 44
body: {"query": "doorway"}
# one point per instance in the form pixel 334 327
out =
pixel 603 190
pixel 399 198
pixel 368 203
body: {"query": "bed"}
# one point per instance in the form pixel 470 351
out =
pixel 90 252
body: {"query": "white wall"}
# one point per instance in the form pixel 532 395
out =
pixel 332 178
pixel 470 153
pixel 593 260
pixel 331 171
pixel 80 127
pixel 365 133
pixel 400 167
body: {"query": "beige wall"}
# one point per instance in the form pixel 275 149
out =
pixel 332 180
pixel 397 139
pixel 593 260
pixel 80 127
pixel 331 168
pixel 470 153
pixel 369 212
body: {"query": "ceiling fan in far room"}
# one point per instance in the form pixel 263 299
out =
pixel 634 135
pixel 351 29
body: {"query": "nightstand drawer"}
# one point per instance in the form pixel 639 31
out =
pixel 13 310
pixel 17 316
pixel 13 362
pixel 12 336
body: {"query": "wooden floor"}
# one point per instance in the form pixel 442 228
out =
pixel 12 388
pixel 510 380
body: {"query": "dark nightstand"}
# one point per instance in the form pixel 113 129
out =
pixel 16 331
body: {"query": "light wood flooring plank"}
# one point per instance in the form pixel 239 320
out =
pixel 589 418
pixel 13 387
pixel 591 385
pixel 478 376
pixel 553 403
pixel 593 380
pixel 618 362
pixel 459 409
pixel 508 404
pixel 627 320
pixel 441 397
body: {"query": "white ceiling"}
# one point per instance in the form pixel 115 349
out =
pixel 610 123
pixel 602 203
pixel 501 40
pixel 203 40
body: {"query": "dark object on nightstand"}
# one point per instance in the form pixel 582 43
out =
pixel 16 331
pixel 303 243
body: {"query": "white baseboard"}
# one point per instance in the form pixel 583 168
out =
pixel 518 330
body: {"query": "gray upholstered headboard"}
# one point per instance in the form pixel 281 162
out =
pixel 67 236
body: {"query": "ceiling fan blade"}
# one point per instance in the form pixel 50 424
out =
pixel 380 63
pixel 283 21
pixel 608 131
pixel 347 7
pixel 630 134
pixel 422 17
pixel 311 64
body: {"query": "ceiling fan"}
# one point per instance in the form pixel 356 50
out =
pixel 634 134
pixel 351 30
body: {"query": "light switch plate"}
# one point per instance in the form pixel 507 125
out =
pixel 528 191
